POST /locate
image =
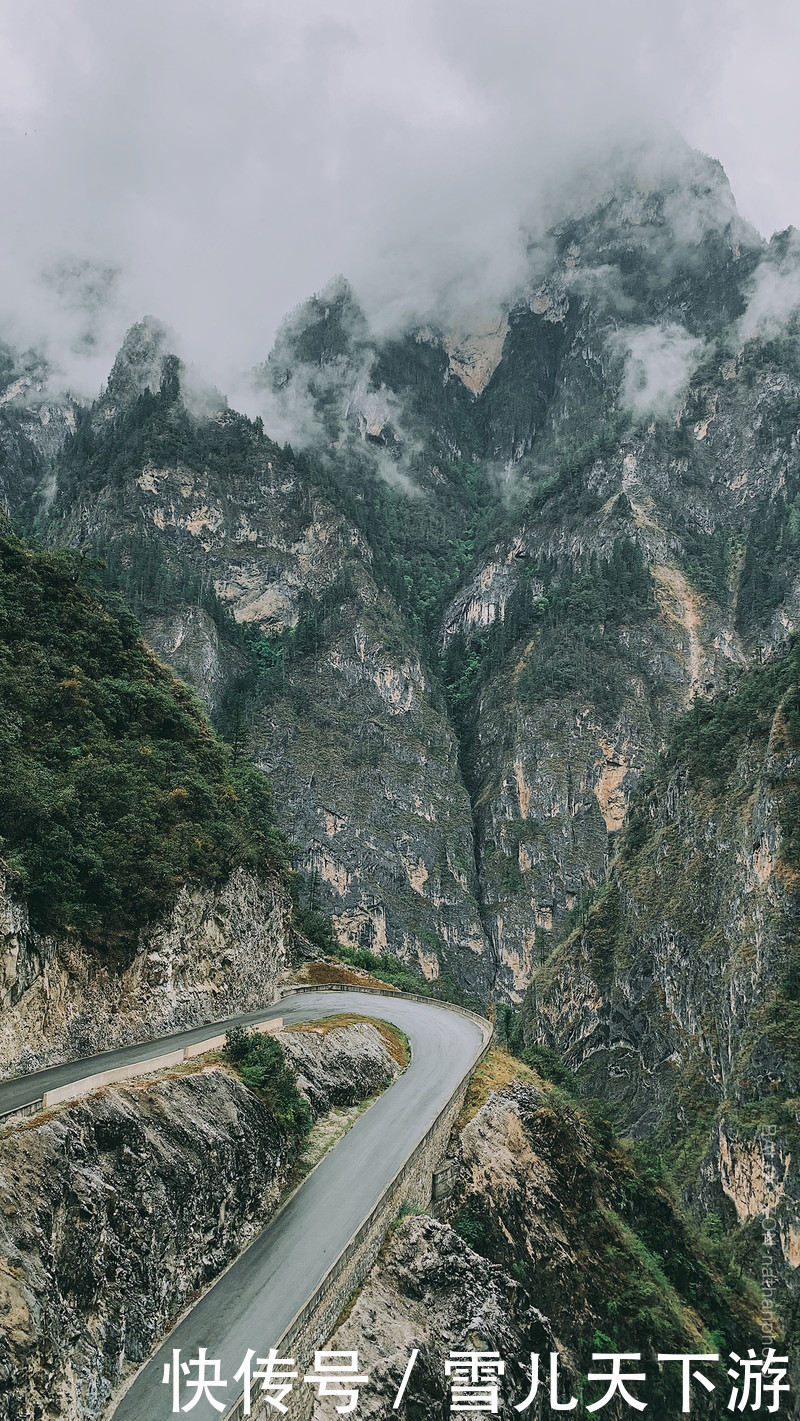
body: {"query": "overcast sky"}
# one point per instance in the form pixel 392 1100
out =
pixel 218 160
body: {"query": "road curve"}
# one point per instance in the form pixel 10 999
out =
pixel 251 1305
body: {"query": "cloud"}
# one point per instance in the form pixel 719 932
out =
pixel 774 294
pixel 659 362
pixel 218 160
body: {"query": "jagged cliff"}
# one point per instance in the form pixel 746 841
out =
pixel 455 627
pixel 296 649
pixel 677 997
pixel 456 621
pixel 144 883
pixel 119 1209
pixel 219 952
pixel 587 1253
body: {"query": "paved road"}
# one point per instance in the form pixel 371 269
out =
pixel 251 1305
pixel 23 1089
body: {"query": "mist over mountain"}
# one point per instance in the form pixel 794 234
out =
pixel 454 534
pixel 217 177
pixel 416 386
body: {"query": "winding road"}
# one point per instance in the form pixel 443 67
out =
pixel 251 1305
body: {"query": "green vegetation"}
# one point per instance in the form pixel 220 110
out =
pixel 262 1065
pixel 423 541
pixel 591 435
pixel 629 1254
pixel 707 561
pixel 570 616
pixel 271 659
pixel 771 552
pixel 157 430
pixel 718 754
pixel 509 1030
pixel 114 789
pixel 398 974
pixel 712 735
pixel 384 966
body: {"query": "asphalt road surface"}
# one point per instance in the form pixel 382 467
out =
pixel 24 1089
pixel 251 1305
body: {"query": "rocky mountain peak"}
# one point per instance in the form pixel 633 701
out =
pixel 138 365
pixel 328 329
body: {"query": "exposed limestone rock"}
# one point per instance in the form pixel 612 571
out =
pixel 429 1290
pixel 676 998
pixel 336 1067
pixel 367 775
pixel 475 354
pixel 356 735
pixel 220 952
pixel 189 641
pixel 118 1208
pixel 525 423
pixel 569 1227
pixel 703 916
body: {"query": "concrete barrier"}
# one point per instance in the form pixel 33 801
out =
pixel 73 1089
pixel 199 1048
pixel 115 1074
pixel 28 1109
pixel 276 1024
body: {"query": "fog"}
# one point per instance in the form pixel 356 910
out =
pixel 660 362
pixel 214 163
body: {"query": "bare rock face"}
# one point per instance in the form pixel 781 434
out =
pixel 366 770
pixel 352 733
pixel 190 642
pixel 552 1246
pixel 429 1290
pixel 219 952
pixel 676 997
pixel 118 1208
pixel 337 1067
pixel 114 1212
pixel 34 425
pixel 439 472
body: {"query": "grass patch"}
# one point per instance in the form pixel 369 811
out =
pixel 497 1070
pixel 325 1133
pixel 395 1040
pixel 320 974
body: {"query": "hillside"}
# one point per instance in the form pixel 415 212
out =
pixel 676 998
pixel 122 813
pixel 455 617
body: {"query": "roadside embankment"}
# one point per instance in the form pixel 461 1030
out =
pixel 120 1208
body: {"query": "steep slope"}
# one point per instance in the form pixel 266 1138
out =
pixel 632 426
pixel 455 627
pixel 677 997
pixel 33 427
pixel 132 840
pixel 250 581
pixel 552 1240
pixel 121 1208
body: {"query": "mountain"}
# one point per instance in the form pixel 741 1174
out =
pixel 677 998
pixel 454 618
pixel 504 603
pixel 142 875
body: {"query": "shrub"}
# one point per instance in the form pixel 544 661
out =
pixel 262 1066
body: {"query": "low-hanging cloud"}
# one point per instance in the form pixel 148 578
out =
pixel 659 362
pixel 774 294
pixel 215 161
